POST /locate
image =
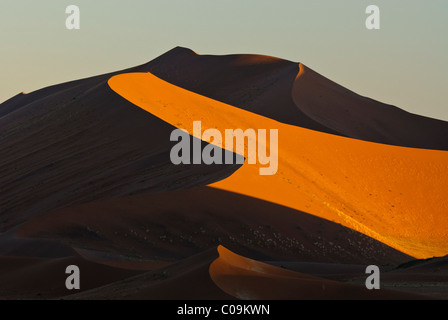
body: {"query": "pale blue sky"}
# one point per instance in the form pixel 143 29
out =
pixel 405 63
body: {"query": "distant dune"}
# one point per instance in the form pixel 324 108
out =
pixel 39 278
pixel 187 279
pixel 86 179
pixel 221 274
pixel 251 280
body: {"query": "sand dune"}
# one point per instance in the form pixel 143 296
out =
pixel 155 227
pixel 218 273
pixel 188 279
pixel 12 104
pixel 263 85
pixel 213 274
pixel 252 280
pixel 257 83
pixel 430 270
pixel 359 117
pixel 78 142
pixel 86 179
pixel 40 278
pixel 393 194
pixel 12 245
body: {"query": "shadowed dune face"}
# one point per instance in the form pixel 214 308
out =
pixel 177 224
pixel 263 85
pixel 11 245
pixel 188 279
pixel 86 178
pixel 248 279
pixel 39 278
pixel 218 273
pixel 359 117
pixel 256 83
pixel 80 142
pixel 390 193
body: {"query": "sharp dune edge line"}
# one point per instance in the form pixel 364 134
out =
pixel 249 279
pixel 352 115
pixel 395 190
pixel 359 182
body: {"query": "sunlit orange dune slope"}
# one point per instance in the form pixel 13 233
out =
pixel 263 84
pixel 394 194
pixel 249 279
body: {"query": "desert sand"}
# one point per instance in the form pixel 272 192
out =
pixel 154 227
pixel 247 279
pixel 86 179
pixel 398 200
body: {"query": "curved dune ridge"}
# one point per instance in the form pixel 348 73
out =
pixel 79 141
pixel 186 279
pixel 263 85
pixel 248 279
pixel 44 278
pixel 393 194
pixel 352 115
pixel 216 273
pixel 86 178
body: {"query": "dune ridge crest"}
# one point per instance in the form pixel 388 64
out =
pixel 293 93
pixel 247 279
pixel 355 116
pixel 407 214
pixel 86 178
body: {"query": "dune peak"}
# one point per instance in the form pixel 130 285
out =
pixel 180 50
